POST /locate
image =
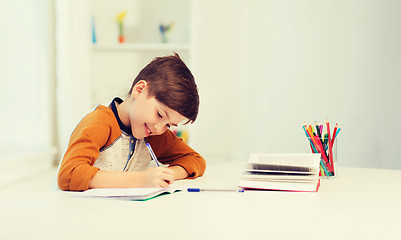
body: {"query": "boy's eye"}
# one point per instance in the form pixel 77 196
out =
pixel 160 116
pixel 168 126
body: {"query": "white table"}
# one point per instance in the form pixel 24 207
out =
pixel 357 204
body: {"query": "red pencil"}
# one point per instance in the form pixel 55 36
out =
pixel 330 145
pixel 334 133
pixel 323 153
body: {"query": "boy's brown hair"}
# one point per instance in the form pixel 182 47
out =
pixel 171 83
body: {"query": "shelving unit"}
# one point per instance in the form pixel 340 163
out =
pixel 142 47
pixel 114 65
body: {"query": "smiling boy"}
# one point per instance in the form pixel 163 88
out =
pixel 108 147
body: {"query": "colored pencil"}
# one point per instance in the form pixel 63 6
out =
pixel 338 131
pixel 313 146
pixel 310 141
pixel 319 149
pixel 334 133
pixel 323 153
pixel 322 143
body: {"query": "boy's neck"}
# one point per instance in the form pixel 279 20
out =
pixel 122 113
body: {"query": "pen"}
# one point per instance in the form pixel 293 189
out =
pixel 214 190
pixel 152 154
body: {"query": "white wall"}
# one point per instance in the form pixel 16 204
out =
pixel 219 67
pixel 307 60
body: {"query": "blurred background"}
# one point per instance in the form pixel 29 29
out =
pixel 263 68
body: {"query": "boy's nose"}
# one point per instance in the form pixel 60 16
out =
pixel 160 127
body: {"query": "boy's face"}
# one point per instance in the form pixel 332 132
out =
pixel 147 116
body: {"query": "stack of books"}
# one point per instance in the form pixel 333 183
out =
pixel 286 172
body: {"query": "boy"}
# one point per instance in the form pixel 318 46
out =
pixel 108 147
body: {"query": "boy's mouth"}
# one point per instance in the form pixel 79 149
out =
pixel 147 130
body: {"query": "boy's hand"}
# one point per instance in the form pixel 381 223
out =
pixel 179 172
pixel 157 177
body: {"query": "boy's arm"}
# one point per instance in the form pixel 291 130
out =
pixel 92 133
pixel 151 178
pixel 182 159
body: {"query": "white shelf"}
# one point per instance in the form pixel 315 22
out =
pixel 141 46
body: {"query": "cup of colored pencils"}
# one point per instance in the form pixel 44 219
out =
pixel 323 140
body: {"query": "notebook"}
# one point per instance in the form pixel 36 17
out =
pixel 126 193
pixel 287 172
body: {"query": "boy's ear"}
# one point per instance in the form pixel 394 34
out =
pixel 139 88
